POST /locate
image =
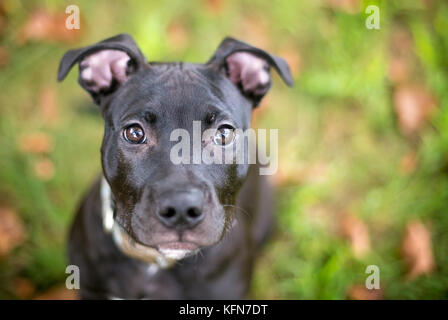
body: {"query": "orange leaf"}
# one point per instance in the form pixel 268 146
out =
pixel 49 27
pixel 177 36
pixel 58 293
pixel 359 292
pixel 44 169
pixel 349 6
pixel 408 163
pixel 12 231
pixel 36 143
pixel 47 104
pixel 413 106
pixel 356 231
pixel 417 250
pixel 4 57
pixel 215 6
pixel 23 288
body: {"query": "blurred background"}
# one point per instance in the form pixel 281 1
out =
pixel 363 152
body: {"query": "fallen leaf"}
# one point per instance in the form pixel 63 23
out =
pixel 12 231
pixel 399 70
pixel 408 163
pixel 48 27
pixel 284 177
pixel 177 36
pixel 402 60
pixel 23 288
pixel 401 42
pixel 413 105
pixel 36 143
pixel 58 293
pixel 312 173
pixel 215 6
pixel 315 172
pixel 4 57
pixel 44 169
pixel 47 104
pixel 253 30
pixel 428 3
pixel 360 292
pixel 3 17
pixel 417 250
pixel 348 6
pixel 357 233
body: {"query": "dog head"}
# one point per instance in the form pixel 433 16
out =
pixel 174 209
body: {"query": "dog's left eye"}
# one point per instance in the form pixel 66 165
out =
pixel 134 134
pixel 224 135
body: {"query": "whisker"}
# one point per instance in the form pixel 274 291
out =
pixel 237 208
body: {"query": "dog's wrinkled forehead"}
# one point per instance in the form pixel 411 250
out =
pixel 178 90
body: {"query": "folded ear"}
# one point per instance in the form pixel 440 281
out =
pixel 104 66
pixel 248 67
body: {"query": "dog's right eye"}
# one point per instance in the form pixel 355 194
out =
pixel 224 135
pixel 134 134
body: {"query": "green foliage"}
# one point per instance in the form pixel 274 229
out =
pixel 340 144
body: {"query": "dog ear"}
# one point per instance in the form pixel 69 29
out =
pixel 104 66
pixel 248 68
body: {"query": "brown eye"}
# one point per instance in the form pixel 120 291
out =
pixel 134 134
pixel 224 135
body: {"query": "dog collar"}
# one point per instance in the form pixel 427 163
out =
pixel 121 238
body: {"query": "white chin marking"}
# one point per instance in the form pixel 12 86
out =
pixel 175 254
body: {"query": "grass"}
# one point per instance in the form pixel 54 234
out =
pixel 341 148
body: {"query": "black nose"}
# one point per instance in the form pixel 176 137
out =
pixel 181 210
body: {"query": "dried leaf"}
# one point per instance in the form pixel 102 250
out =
pixel 4 57
pixel 349 6
pixel 413 106
pixel 417 250
pixel 356 231
pixel 428 3
pixel 47 104
pixel 313 173
pixel 408 163
pixel 401 42
pixel 58 293
pixel 177 36
pixel 12 231
pixel 316 172
pixel 254 31
pixel 401 67
pixel 23 288
pixel 36 143
pixel 48 27
pixel 360 292
pixel 399 70
pixel 285 177
pixel 215 6
pixel 44 169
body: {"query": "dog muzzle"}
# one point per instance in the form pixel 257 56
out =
pixel 124 241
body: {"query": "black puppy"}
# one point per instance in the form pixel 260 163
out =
pixel 139 228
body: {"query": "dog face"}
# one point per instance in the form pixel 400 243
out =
pixel 173 208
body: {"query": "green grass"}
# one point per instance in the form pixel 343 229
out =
pixel 340 144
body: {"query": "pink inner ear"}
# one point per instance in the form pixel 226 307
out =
pixel 100 68
pixel 248 69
